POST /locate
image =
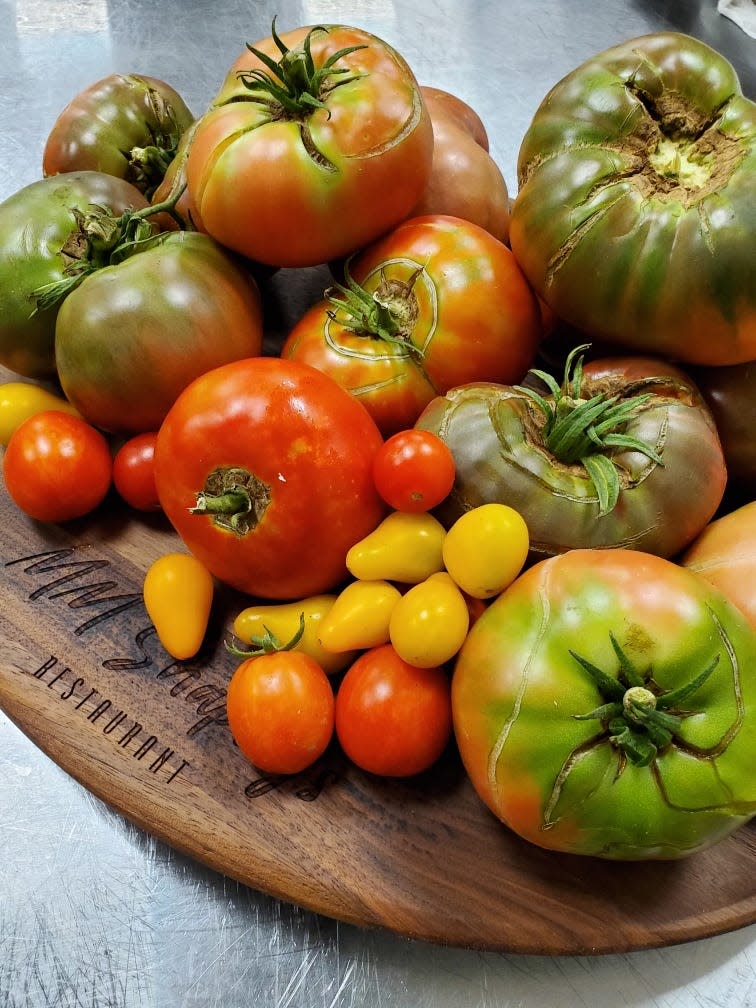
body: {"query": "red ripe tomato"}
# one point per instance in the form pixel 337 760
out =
pixel 414 470
pixel 392 718
pixel 57 467
pixel 436 303
pixel 292 170
pixel 264 467
pixel 280 710
pixel 134 472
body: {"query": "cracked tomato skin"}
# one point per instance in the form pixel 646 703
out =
pixel 302 190
pixel 558 782
pixel 310 448
pixel 636 207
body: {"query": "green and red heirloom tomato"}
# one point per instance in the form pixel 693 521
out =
pixel 40 238
pixel 636 210
pixel 126 125
pixel 264 467
pixel 730 393
pixel 605 704
pixel 57 467
pixel 317 142
pixel 622 453
pixel 435 303
pixel 465 181
pixel 724 554
pixel 134 334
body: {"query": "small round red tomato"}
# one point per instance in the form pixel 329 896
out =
pixel 436 303
pixel 414 470
pixel 280 710
pixel 264 467
pixel 57 466
pixel 134 472
pixel 392 719
pixel 307 162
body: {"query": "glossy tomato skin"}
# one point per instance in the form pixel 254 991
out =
pixel 730 393
pixel 660 508
pixel 108 126
pixel 289 191
pixel 35 224
pixel 414 470
pixel 467 314
pixel 519 697
pixel 392 718
pixel 635 211
pixel 57 467
pixel 310 448
pixel 133 335
pixel 134 472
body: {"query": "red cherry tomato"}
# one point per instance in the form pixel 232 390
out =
pixel 57 467
pixel 134 472
pixel 280 709
pixel 392 718
pixel 414 470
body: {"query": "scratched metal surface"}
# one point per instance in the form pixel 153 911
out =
pixel 96 913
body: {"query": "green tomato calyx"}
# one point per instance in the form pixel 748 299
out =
pixel 234 499
pixel 636 717
pixel 389 313
pixel 268 643
pixel 294 87
pixel 589 431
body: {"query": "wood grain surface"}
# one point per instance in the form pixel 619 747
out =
pixel 83 675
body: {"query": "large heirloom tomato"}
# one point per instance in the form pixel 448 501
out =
pixel 126 125
pixel 623 453
pixel 40 237
pixel 134 334
pixel 636 211
pixel 317 142
pixel 730 393
pixel 435 303
pixel 605 704
pixel 264 467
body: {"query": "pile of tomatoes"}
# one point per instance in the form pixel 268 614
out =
pixel 434 535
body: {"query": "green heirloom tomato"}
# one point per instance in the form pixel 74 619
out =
pixel 624 453
pixel 605 704
pixel 126 125
pixel 39 239
pixel 134 334
pixel 636 211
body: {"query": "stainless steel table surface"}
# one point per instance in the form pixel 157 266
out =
pixel 93 911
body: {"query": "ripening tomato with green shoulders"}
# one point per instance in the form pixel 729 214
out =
pixel 317 142
pixel 436 303
pixel 605 704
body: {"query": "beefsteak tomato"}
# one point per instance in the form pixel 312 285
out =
pixel 264 467
pixel 317 142
pixel 605 704
pixel 436 303
pixel 623 453
pixel 636 210
pixel 40 239
pixel 126 125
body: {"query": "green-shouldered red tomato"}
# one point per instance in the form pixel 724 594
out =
pixel 135 333
pixel 264 467
pixel 134 472
pixel 281 711
pixel 436 303
pixel 126 125
pixel 624 452
pixel 309 163
pixel 39 231
pixel 413 470
pixel 57 467
pixel 392 719
pixel 635 212
pixel 605 704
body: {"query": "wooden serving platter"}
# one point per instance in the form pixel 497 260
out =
pixel 83 675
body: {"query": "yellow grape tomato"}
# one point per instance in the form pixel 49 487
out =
pixel 359 618
pixel 430 622
pixel 21 400
pixel 405 547
pixel 485 549
pixel 178 595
